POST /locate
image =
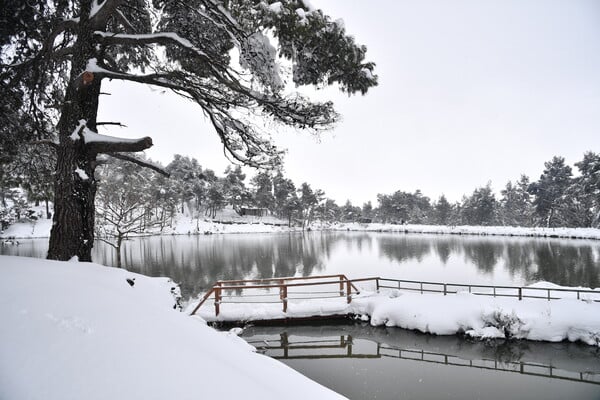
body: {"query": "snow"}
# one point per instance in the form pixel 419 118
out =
pixel 477 316
pixel 82 174
pixel 573 233
pixel 276 7
pixel 228 221
pixel 150 36
pixel 75 330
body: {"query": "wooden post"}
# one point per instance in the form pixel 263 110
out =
pixel 217 301
pixel 520 293
pixel 421 287
pixel 445 289
pixel 494 291
pixel 348 292
pixel 377 283
pixel 283 294
pixel 548 294
pixel 341 285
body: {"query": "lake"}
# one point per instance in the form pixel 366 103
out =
pixel 199 260
pixel 363 362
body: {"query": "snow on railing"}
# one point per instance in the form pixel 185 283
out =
pixel 259 290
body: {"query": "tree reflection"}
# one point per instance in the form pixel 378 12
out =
pixel 483 253
pixel 404 248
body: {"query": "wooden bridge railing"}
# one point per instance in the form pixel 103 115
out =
pixel 348 289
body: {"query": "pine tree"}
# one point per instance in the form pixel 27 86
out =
pixel 550 189
pixel 55 54
pixel 442 211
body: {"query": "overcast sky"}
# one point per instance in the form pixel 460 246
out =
pixel 469 92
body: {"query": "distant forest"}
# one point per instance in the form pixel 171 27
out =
pixel 559 197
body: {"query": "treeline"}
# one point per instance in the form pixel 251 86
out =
pixel 557 198
pixel 131 198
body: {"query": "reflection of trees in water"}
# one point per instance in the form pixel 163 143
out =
pixel 567 265
pixel 483 253
pixel 404 248
pixel 196 262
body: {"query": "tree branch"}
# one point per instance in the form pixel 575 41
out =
pixel 139 162
pixel 50 143
pixel 111 123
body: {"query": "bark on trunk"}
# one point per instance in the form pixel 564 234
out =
pixel 75 187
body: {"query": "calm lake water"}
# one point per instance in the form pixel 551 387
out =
pixel 198 261
pixel 362 362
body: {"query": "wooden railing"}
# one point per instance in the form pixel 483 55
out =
pixel 346 287
pixel 222 290
pixel 488 290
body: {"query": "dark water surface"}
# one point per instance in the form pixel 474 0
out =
pixel 198 261
pixel 363 362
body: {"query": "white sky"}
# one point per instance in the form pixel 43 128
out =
pixel 469 92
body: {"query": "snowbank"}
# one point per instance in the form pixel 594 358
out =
pixel 571 233
pixel 81 331
pixel 227 222
pixel 477 316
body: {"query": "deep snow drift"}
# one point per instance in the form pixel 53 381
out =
pixel 80 331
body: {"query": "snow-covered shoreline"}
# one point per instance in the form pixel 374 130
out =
pixel 190 226
pixel 80 331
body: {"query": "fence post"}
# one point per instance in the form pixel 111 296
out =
pixel 377 283
pixel 217 301
pixel 520 293
pixel 341 285
pixel 494 291
pixel 284 293
pixel 421 287
pixel 445 289
pixel 548 290
pixel 348 292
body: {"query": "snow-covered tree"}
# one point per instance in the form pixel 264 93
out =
pixel 480 208
pixel 309 199
pixel 231 58
pixel 263 190
pixel 550 190
pixel 442 211
pixel 124 204
pixel 187 177
pixel 588 186
pixel 516 208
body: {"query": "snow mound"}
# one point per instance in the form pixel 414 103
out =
pixel 75 330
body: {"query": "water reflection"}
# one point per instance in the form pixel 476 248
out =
pixel 197 261
pixel 391 355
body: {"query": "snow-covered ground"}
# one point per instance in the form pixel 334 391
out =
pixel 227 221
pixel 573 233
pixel 74 330
pixel 477 316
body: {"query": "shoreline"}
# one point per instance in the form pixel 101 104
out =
pixel 41 230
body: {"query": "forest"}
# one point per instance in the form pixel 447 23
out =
pixel 136 199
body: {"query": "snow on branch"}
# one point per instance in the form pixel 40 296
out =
pixel 149 38
pixel 97 143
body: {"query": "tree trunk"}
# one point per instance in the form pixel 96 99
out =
pixel 118 248
pixel 48 216
pixel 75 187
